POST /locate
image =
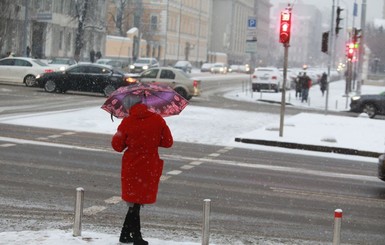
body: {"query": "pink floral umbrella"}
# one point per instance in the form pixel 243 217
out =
pixel 160 99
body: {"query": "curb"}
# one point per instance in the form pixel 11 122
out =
pixel 318 148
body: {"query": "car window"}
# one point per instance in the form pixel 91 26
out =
pixel 142 61
pixel 150 73
pixel 77 69
pixel 167 74
pixel 98 70
pixel 7 62
pixel 22 63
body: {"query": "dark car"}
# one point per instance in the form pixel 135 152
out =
pixel 183 65
pixel 371 104
pixel 83 77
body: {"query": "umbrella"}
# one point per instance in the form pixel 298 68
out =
pixel 159 98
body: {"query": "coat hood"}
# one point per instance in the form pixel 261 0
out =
pixel 140 111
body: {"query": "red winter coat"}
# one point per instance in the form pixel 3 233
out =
pixel 141 133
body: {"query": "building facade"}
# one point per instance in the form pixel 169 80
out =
pixel 49 27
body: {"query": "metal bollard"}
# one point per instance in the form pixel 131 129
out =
pixel 206 222
pixel 337 226
pixel 77 231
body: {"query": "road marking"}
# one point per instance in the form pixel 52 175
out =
pixel 68 133
pixel 42 138
pixel 164 178
pixel 174 172
pixel 196 163
pixel 187 167
pixel 54 136
pixel 214 155
pixel 7 145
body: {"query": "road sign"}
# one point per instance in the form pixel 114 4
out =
pixel 252 23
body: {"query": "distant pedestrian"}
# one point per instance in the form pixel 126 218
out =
pixel 323 83
pixel 298 86
pixel 98 55
pixel 306 84
pixel 28 51
pixel 92 56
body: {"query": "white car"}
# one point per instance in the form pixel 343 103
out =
pixel 177 79
pixel 220 68
pixel 267 78
pixel 22 70
pixel 143 64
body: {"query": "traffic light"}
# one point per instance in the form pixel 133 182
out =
pixel 284 29
pixel 338 20
pixel 325 42
pixel 350 51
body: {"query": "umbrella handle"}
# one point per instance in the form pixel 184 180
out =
pixel 112 119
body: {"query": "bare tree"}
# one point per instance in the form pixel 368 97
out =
pixel 5 20
pixel 121 15
pixel 81 13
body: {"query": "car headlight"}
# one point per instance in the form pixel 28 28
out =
pixel 145 67
pixel 132 66
pixel 356 97
pixel 38 76
pixel 62 68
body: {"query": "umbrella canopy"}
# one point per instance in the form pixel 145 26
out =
pixel 160 99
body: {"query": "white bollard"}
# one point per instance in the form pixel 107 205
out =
pixel 206 222
pixel 337 226
pixel 77 231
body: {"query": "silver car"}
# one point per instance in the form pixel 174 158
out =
pixel 181 82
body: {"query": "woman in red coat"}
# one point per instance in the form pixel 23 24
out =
pixel 140 134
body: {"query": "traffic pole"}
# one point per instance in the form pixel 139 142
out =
pixel 77 230
pixel 337 226
pixel 206 222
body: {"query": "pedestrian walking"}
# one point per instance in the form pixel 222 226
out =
pixel 323 83
pixel 306 84
pixel 139 135
pixel 298 86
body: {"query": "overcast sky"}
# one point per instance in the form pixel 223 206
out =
pixel 374 7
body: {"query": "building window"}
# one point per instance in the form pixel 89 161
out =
pixel 154 22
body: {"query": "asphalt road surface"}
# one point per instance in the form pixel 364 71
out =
pixel 256 196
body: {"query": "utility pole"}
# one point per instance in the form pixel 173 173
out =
pixel 330 58
pixel 361 48
pixel 284 38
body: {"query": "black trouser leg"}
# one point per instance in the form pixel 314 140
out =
pixel 125 235
pixel 136 234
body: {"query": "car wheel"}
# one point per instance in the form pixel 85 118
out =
pixel 182 92
pixel 50 86
pixel 108 90
pixel 30 81
pixel 370 109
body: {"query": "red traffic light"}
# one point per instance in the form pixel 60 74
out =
pixel 350 51
pixel 285 25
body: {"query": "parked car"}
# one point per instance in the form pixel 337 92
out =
pixel 143 64
pixel 62 63
pixel 180 81
pixel 22 70
pixel 371 104
pixel 220 68
pixel 206 67
pixel 183 65
pixel 267 78
pixel 83 77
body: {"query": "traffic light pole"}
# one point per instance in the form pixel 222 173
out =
pixel 283 97
pixel 330 58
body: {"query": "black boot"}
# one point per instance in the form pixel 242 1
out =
pixel 125 235
pixel 136 234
